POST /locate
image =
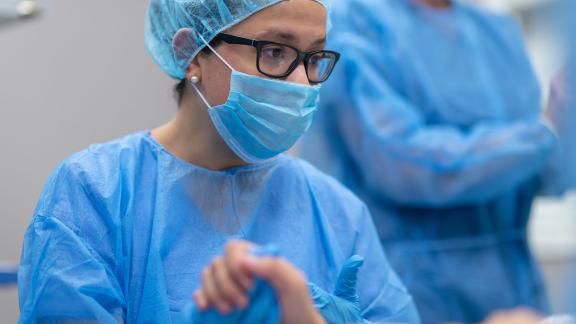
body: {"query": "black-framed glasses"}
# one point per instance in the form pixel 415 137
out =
pixel 277 60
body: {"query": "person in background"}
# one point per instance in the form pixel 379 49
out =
pixel 128 231
pixel 561 107
pixel 433 117
pixel 526 316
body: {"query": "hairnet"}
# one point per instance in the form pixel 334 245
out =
pixel 175 28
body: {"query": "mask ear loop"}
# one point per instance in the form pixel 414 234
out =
pixel 194 79
pixel 216 53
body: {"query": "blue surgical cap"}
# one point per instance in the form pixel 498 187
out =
pixel 175 29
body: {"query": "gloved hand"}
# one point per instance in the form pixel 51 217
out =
pixel 263 308
pixel 343 306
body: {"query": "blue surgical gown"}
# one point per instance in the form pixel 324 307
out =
pixel 123 230
pixel 432 118
pixel 561 111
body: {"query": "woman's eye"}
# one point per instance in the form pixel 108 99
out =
pixel 314 60
pixel 274 52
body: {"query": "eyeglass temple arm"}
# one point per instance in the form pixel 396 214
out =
pixel 231 39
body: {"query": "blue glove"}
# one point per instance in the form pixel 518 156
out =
pixel 263 308
pixel 344 305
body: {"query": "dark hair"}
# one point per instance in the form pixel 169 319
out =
pixel 179 90
pixel 180 87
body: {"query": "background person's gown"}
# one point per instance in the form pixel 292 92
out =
pixel 432 118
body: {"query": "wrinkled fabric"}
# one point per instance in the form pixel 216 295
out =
pixel 432 118
pixel 561 111
pixel 263 117
pixel 561 107
pixel 175 28
pixel 561 22
pixel 436 116
pixel 264 308
pixel 124 229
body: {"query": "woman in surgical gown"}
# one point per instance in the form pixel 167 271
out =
pixel 433 118
pixel 123 230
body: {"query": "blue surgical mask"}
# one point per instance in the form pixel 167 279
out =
pixel 262 117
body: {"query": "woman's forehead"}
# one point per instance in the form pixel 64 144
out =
pixel 291 22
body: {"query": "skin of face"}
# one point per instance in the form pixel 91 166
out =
pixel 437 3
pixel 191 135
pixel 299 23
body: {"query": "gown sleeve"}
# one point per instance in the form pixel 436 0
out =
pixel 402 158
pixel 67 270
pixel 383 297
pixel 560 175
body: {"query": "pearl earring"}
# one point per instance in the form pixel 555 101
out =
pixel 194 79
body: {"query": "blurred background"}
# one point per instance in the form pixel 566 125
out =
pixel 76 72
pixel 553 225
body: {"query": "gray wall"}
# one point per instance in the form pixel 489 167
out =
pixel 78 74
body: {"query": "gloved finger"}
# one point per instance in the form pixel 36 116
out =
pixel 235 251
pixel 211 292
pixel 227 287
pixel 320 297
pixel 335 309
pixel 348 278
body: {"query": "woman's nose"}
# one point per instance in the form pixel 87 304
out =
pixel 299 75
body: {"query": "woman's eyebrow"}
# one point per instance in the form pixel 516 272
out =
pixel 278 35
pixel 320 41
pixel 282 35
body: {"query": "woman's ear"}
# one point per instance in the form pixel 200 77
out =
pixel 194 71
